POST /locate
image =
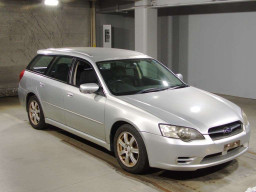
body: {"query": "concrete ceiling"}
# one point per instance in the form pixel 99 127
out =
pixel 179 7
pixel 175 3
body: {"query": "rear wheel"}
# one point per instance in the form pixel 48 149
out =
pixel 35 113
pixel 130 149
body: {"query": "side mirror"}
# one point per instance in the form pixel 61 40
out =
pixel 180 76
pixel 89 88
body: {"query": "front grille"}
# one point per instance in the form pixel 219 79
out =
pixel 224 131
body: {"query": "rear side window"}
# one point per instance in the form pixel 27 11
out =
pixel 41 63
pixel 60 69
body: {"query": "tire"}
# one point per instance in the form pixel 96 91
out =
pixel 35 113
pixel 135 152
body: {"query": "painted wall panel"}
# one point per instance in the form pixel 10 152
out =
pixel 222 53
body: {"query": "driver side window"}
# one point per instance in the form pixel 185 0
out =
pixel 84 73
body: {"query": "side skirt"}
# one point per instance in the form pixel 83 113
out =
pixel 78 133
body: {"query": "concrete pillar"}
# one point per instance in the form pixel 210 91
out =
pixel 145 29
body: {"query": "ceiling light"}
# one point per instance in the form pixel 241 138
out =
pixel 51 2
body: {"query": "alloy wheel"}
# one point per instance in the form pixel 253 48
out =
pixel 127 148
pixel 34 112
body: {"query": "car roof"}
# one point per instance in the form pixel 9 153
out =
pixel 95 53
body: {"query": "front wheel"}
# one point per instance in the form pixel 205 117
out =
pixel 130 149
pixel 35 113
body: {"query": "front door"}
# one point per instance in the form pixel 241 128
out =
pixel 85 112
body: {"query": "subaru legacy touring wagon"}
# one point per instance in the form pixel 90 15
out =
pixel 133 105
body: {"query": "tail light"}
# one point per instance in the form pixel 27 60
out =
pixel 21 74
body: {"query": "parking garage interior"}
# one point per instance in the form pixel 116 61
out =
pixel 211 43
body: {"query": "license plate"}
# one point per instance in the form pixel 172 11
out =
pixel 231 145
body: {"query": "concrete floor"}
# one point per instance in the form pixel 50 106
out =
pixel 54 160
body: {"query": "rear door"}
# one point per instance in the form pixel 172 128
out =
pixel 51 88
pixel 38 66
pixel 85 112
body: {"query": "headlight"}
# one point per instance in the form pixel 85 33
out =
pixel 245 120
pixel 183 133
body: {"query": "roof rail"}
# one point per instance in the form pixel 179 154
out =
pixel 83 53
pixel 69 50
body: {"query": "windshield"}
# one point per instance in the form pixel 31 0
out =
pixel 136 76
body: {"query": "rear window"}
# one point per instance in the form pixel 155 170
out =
pixel 41 63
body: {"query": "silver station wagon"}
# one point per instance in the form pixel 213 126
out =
pixel 133 105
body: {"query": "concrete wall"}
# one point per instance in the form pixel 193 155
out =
pixel 221 53
pixel 124 37
pixel 122 30
pixel 26 27
pixel 215 52
pixel 165 40
pixel 180 45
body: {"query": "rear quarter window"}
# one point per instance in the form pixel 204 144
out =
pixel 41 63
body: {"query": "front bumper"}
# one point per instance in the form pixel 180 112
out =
pixel 174 154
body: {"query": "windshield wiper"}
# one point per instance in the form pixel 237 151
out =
pixel 179 86
pixel 152 90
pixel 148 90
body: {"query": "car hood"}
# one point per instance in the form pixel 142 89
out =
pixel 189 107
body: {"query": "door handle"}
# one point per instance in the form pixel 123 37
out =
pixel 42 84
pixel 70 94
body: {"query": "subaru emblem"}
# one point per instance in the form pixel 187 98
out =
pixel 227 130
